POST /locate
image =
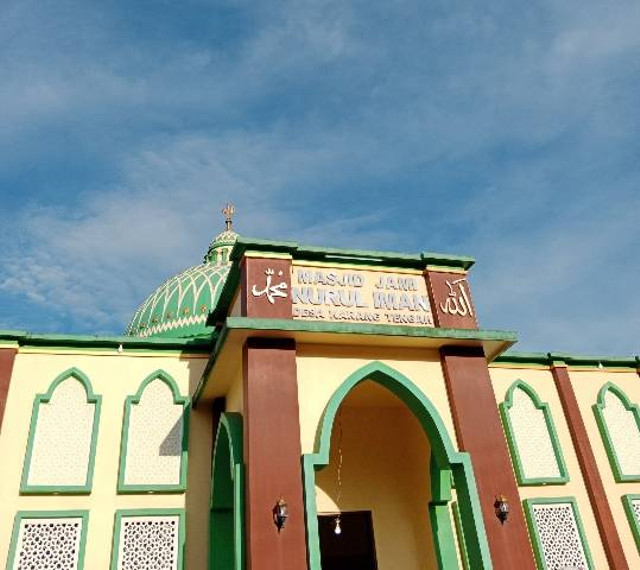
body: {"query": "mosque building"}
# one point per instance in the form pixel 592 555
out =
pixel 290 407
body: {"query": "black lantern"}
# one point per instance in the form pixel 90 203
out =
pixel 502 508
pixel 280 513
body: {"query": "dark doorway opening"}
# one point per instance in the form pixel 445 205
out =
pixel 353 548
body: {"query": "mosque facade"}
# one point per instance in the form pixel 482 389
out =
pixel 288 407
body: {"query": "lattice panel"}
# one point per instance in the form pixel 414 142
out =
pixel 48 543
pixel 154 448
pixel 635 507
pixel 149 543
pixel 558 531
pixel 624 433
pixel 532 438
pixel 62 442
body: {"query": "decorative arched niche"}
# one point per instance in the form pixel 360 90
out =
pixel 532 438
pixel 619 422
pixel 155 433
pixel 62 437
pixel 447 464
pixel 226 528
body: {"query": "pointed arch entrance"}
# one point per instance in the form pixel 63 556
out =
pixel 226 544
pixel 447 464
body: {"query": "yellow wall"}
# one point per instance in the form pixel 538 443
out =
pixel 385 471
pixel 322 369
pixel 386 453
pixel 114 376
pixel 587 384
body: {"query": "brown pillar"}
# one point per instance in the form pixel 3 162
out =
pixel 272 455
pixel 589 468
pixel 7 357
pixel 479 432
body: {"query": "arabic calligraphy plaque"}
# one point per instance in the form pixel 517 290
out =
pixel 451 299
pixel 265 288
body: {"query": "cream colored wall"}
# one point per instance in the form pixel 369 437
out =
pixel 235 395
pixel 385 471
pixel 543 383
pixel 322 369
pixel 114 376
pixel 386 467
pixel 586 384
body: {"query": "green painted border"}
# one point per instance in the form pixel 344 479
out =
pixel 598 408
pixel 92 398
pixel 124 488
pixel 120 513
pixel 633 521
pixel 196 344
pixel 513 446
pixel 227 493
pixel 440 517
pixel 535 536
pixel 548 359
pixel 462 545
pixel 444 455
pixel 20 515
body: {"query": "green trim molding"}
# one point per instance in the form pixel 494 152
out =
pixel 598 410
pixel 444 457
pixel 125 488
pixel 634 522
pixel 505 408
pixel 21 515
pixel 122 513
pixel 227 530
pixel 200 344
pixel 548 359
pixel 462 546
pixel 92 398
pixel 535 535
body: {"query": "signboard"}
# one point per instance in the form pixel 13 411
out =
pixel 360 296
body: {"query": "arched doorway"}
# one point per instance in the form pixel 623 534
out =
pixel 226 527
pixel 447 465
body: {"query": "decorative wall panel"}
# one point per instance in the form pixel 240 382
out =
pixel 533 443
pixel 632 507
pixel 147 541
pixel 557 534
pixel 618 422
pixel 47 540
pixel 62 437
pixel 154 438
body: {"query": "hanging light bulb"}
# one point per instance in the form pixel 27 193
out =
pixel 337 530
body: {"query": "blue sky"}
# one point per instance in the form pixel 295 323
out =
pixel 505 130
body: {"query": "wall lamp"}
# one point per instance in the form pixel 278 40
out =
pixel 280 513
pixel 502 508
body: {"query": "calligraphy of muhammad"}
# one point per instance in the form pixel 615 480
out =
pixel 271 291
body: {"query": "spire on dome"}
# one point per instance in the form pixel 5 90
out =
pixel 220 248
pixel 228 212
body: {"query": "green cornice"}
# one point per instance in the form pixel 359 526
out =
pixel 549 358
pixel 22 338
pixel 368 257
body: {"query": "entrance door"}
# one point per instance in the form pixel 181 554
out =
pixel 353 548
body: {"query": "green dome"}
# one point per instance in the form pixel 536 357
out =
pixel 181 305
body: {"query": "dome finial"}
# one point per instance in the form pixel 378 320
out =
pixel 228 212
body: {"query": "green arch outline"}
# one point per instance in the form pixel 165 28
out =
pixel 226 522
pixel 92 398
pixel 505 408
pixel 181 486
pixel 598 410
pixel 444 458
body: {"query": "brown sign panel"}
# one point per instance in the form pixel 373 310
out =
pixel 451 300
pixel 266 286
